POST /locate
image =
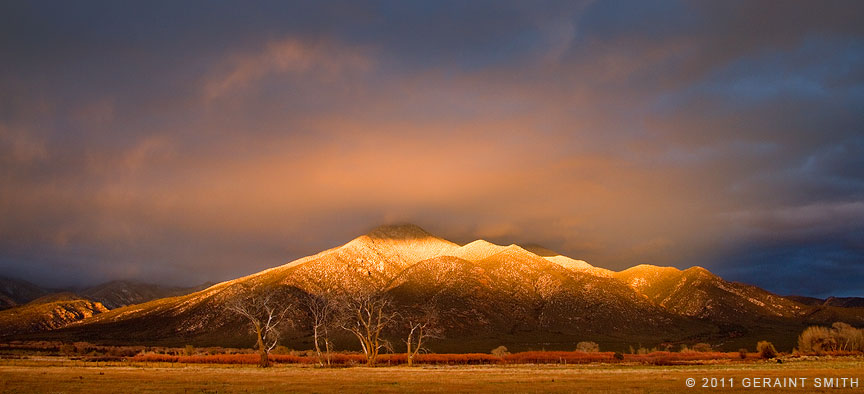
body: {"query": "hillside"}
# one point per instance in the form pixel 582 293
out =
pixel 15 292
pixel 114 294
pixel 35 309
pixel 842 302
pixel 515 291
pixel 696 292
pixel 569 263
pixel 119 293
pixel 484 294
pixel 48 313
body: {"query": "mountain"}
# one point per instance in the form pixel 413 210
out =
pixel 119 293
pixel 484 294
pixel 114 294
pixel 58 309
pixel 740 312
pixel 567 262
pixel 15 292
pixel 696 292
pixel 28 308
pixel 48 313
pixel 842 302
pixel 516 293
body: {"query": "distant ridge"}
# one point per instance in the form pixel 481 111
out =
pixel 113 294
pixel 842 302
pixel 35 309
pixel 119 293
pixel 48 313
pixel 15 292
pixel 485 294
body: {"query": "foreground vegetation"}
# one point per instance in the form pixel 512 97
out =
pixel 539 357
pixel 824 353
pixel 63 375
pixel 585 353
pixel 83 351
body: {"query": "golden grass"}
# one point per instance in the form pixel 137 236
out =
pixel 63 376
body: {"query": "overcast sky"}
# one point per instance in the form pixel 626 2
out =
pixel 183 142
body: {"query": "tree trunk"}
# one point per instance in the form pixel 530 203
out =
pixel 327 348
pixel 265 359
pixel 317 347
pixel 373 354
pixel 410 356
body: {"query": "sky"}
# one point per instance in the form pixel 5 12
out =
pixel 183 142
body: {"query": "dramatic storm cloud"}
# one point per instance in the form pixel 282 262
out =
pixel 182 142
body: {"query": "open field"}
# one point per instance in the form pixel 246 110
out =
pixel 64 376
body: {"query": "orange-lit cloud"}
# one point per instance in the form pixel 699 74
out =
pixel 619 135
pixel 289 56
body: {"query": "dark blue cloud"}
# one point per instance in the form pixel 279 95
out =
pixel 820 267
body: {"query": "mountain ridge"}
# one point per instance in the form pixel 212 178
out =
pixel 14 292
pixel 485 291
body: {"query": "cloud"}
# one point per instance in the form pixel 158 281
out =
pixel 20 148
pixel 802 222
pixel 290 56
pixel 218 144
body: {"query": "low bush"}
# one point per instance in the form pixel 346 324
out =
pixel 283 350
pixel 67 349
pixel 672 358
pixel 500 351
pixel 530 357
pixel 547 357
pixel 766 350
pixel 587 347
pixel 456 359
pixel 83 348
pixel 839 337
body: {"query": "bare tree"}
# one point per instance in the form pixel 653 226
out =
pixel 323 310
pixel 366 316
pixel 265 316
pixel 420 329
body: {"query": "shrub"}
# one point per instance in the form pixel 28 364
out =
pixel 840 337
pixel 557 357
pixel 645 350
pixel 121 351
pixel 766 350
pixel 849 338
pixel 452 359
pixel 67 349
pixel 500 351
pixel 336 359
pixel 742 353
pixel 816 340
pixel 284 350
pixel 587 347
pixel 702 347
pixel 669 358
pixel 189 350
pixel 82 348
pixel 533 357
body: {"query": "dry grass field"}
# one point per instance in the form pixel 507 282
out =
pixel 57 375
